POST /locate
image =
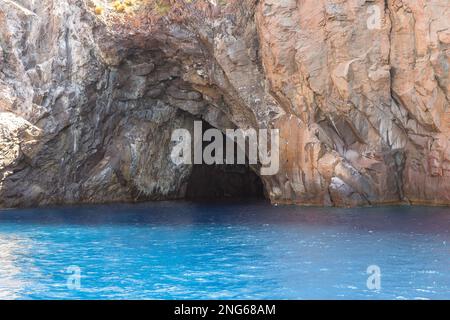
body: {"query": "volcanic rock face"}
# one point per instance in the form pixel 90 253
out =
pixel 359 90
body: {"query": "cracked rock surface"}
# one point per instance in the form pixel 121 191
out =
pixel 359 90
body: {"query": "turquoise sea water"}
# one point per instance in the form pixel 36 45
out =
pixel 180 250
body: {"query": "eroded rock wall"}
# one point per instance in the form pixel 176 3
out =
pixel 75 127
pixel 358 89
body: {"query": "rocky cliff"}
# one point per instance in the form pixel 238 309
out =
pixel 90 92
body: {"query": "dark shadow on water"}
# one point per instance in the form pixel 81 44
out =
pixel 238 212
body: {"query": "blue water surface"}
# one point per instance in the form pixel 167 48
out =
pixel 182 250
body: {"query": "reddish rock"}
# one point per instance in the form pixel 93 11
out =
pixel 358 89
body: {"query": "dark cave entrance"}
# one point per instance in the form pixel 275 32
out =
pixel 223 181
